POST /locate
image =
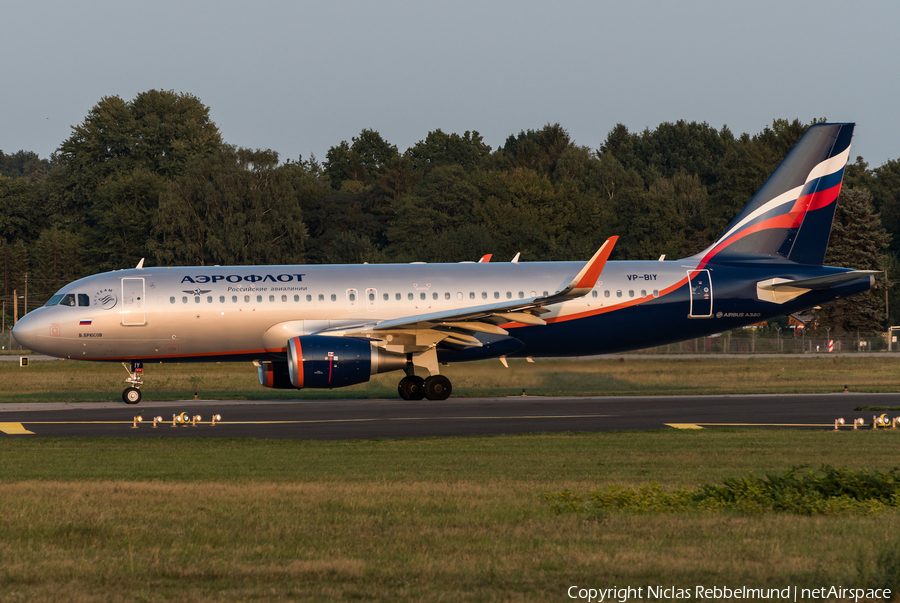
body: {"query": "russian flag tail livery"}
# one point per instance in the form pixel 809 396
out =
pixel 790 216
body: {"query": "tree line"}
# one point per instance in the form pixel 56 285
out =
pixel 152 178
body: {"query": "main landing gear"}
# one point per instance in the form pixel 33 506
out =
pixel 435 387
pixel 132 394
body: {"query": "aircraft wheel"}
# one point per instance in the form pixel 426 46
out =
pixel 411 388
pixel 131 395
pixel 437 387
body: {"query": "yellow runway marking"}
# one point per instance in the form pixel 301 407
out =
pixel 164 423
pixel 14 428
pixel 700 425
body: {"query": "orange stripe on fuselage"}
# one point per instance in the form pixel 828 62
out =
pixel 612 308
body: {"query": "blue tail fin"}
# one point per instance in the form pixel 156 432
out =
pixel 790 216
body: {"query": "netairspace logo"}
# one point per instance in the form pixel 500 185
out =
pixel 719 593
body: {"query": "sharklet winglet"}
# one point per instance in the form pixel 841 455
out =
pixel 587 278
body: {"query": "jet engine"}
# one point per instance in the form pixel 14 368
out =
pixel 274 375
pixel 326 362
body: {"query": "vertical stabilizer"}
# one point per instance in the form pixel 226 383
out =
pixel 790 215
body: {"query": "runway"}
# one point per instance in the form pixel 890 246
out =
pixel 369 419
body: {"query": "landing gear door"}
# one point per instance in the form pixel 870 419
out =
pixel 133 302
pixel 701 294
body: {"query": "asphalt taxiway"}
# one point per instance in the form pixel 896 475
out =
pixel 368 419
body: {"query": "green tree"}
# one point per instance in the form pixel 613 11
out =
pixel 115 165
pixel 363 161
pixel 58 260
pixel 20 209
pixel 468 151
pixel 858 240
pixel 237 207
pixel 538 150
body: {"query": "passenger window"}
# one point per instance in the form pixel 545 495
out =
pixel 606 293
pixel 284 298
pixel 521 295
pixel 83 300
pixel 594 293
pixel 533 294
pixel 496 295
pixel 643 293
pixel 484 295
pixel 619 293
pixel 234 299
pixel 421 296
pixel 447 295
pixel 221 299
pixel 353 297
pixel 321 297
pixel 459 295
pixel 196 299
pixel 271 298
pixel 655 293
pixel 546 294
pixel 209 299
pixel 434 296
pixel 409 296
pixel 631 293
pixel 259 299
pixel 171 300
pixel 246 298
pixel 297 298
pixel 509 295
pixel 471 295
pixel 386 297
pixel 398 297
pixel 333 297
pixel 184 299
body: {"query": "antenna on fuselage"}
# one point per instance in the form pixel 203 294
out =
pixel 140 265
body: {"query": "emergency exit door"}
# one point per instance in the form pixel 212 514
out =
pixel 133 302
pixel 701 294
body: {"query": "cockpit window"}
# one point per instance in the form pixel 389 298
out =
pixel 54 300
pixel 68 300
pixel 83 299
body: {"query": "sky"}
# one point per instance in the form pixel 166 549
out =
pixel 299 77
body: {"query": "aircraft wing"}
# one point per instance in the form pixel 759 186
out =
pixel 460 324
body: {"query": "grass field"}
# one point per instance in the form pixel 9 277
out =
pixel 57 381
pixel 459 519
pixel 455 519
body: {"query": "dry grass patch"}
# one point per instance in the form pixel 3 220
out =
pixel 463 541
pixel 95 381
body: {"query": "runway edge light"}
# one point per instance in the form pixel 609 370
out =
pixel 858 423
pixel 137 419
pixel 838 422
pixel 216 418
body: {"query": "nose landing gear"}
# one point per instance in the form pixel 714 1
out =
pixel 132 394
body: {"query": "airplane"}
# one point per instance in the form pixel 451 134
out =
pixel 329 326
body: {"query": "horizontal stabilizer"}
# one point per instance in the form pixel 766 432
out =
pixel 780 290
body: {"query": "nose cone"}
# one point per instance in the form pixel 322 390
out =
pixel 27 331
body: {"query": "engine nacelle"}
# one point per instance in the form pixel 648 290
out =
pixel 274 375
pixel 326 362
